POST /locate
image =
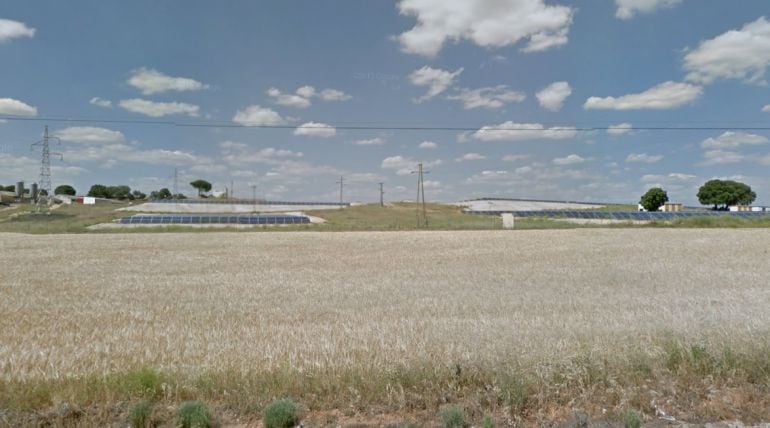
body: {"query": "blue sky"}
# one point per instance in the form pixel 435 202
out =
pixel 522 83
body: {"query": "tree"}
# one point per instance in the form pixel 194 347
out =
pixel 138 195
pixel 201 185
pixel 65 189
pixel 725 193
pixel 98 191
pixel 654 199
pixel 161 194
pixel 120 192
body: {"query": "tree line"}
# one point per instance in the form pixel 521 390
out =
pixel 720 194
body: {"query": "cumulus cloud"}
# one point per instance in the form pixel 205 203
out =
pixel 643 158
pixel 510 131
pixel 235 153
pixel 766 108
pixel 14 29
pixel 315 129
pixel 14 107
pixel 428 145
pixel 489 97
pixel 628 8
pixel 514 158
pixel 719 157
pixel 664 96
pixel 158 109
pixel 377 141
pixel 731 140
pixel 301 98
pixel 256 115
pixel 737 54
pixel 470 157
pixel 552 96
pixel 619 129
pixel 403 165
pixel 674 177
pixel 569 160
pixel 100 102
pixel 89 134
pixel 485 23
pixel 436 80
pixel 151 81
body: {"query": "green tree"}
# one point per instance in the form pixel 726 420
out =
pixel 120 192
pixel 163 193
pixel 65 189
pixel 654 199
pixel 201 185
pixel 723 193
pixel 99 191
pixel 138 195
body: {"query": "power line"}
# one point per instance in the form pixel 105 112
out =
pixel 557 127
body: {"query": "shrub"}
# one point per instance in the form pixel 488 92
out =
pixel 281 414
pixel 631 419
pixel 453 417
pixel 143 383
pixel 488 422
pixel 193 414
pixel 139 417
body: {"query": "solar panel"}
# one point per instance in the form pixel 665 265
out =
pixel 215 219
pixel 625 215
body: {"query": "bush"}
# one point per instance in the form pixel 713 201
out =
pixel 488 422
pixel 631 419
pixel 281 414
pixel 139 417
pixel 193 414
pixel 453 417
pixel 143 383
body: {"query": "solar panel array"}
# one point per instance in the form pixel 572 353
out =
pixel 626 215
pixel 242 202
pixel 215 219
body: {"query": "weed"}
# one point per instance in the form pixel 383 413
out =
pixel 281 414
pixel 631 419
pixel 139 416
pixel 193 414
pixel 453 417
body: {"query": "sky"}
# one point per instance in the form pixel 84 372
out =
pixel 546 99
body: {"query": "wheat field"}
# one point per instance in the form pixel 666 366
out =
pixel 333 308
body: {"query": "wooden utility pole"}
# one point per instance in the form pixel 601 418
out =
pixel 382 196
pixel 341 183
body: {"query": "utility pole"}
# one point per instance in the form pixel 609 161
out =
pixel 254 191
pixel 382 199
pixel 342 184
pixel 231 195
pixel 422 215
pixel 176 181
pixel 45 165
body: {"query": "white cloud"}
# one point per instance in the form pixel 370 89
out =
pixel 100 102
pixel 488 24
pixel 666 95
pixel 151 81
pixel 470 157
pixel 435 79
pixel 14 107
pixel 158 109
pixel 766 108
pixel 89 134
pixel 552 96
pixel 109 153
pixel 514 158
pixel 288 100
pixel 238 153
pixel 731 140
pixel 334 95
pixel 628 8
pixel 619 129
pixel 736 54
pixel 489 97
pixel 256 115
pixel 674 177
pixel 405 165
pixel 509 131
pixel 315 129
pixel 302 96
pixel 643 157
pixel 377 141
pixel 719 157
pixel 14 29
pixel 428 145
pixel 569 160
pixel 161 157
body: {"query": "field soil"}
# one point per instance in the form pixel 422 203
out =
pixel 525 326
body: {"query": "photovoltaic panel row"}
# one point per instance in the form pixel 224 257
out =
pixel 626 215
pixel 242 202
pixel 214 219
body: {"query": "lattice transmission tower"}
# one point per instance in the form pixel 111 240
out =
pixel 46 191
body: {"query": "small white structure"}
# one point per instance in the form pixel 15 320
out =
pixel 89 200
pixel 739 208
pixel 760 209
pixel 507 221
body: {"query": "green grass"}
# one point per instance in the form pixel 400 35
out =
pixel 453 417
pixel 64 219
pixel 139 416
pixel 193 414
pixel 281 414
